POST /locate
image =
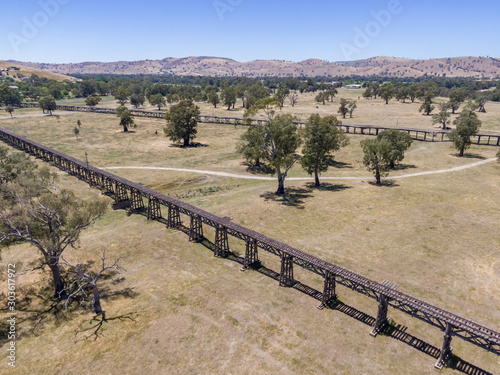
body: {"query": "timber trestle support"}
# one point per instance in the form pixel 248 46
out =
pixel 446 349
pixel 174 217
pixel 195 229
pixel 154 208
pixel 122 199
pixel 286 274
pixel 221 245
pixel 128 194
pixel 328 291
pixel 251 255
pixel 137 203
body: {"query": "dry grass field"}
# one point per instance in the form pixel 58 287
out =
pixel 435 235
pixel 368 112
pixel 25 71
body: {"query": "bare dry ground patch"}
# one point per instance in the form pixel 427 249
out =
pixel 436 236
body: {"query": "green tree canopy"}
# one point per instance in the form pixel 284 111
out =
pixel 467 124
pixel 213 98
pixel 456 96
pixel 48 103
pixel 92 100
pixel 126 119
pixel 182 121
pixel 280 139
pixel 443 116
pixel 321 138
pixel 343 110
pixel 376 156
pixel 121 95
pixel 9 96
pixel 251 146
pixel 281 94
pixel 229 96
pixel 137 100
pixel 399 141
pixel 157 100
pixel 34 210
pixel 387 92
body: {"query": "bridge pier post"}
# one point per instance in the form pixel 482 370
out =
pixel 122 199
pixel 328 290
pixel 195 229
pixel 221 246
pixel 107 186
pixel 286 274
pixel 381 320
pixel 154 210
pixel 445 349
pixel 251 255
pixel 174 217
pixel 137 204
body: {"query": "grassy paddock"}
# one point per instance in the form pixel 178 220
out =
pixel 436 236
pixel 368 112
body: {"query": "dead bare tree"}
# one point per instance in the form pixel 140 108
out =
pixel 85 281
pixel 293 99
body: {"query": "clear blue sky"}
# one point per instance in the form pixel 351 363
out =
pixel 64 31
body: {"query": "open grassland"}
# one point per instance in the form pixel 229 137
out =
pixel 368 112
pixel 436 236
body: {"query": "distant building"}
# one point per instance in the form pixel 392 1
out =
pixel 14 87
pixel 353 86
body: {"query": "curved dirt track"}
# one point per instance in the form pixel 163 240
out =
pixel 251 177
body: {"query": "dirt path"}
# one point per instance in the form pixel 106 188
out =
pixel 251 177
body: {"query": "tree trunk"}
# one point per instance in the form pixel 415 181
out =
pixel 229 107
pixel 281 183
pixel 96 300
pixel 186 142
pixel 462 151
pixel 257 162
pixel 59 292
pixel 125 129
pixel 377 175
pixel 316 177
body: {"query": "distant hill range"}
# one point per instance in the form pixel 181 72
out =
pixel 478 67
pixel 21 71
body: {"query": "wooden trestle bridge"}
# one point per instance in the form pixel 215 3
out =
pixel 430 135
pixel 132 196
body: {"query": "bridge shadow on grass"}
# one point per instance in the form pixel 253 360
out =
pixel 397 332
